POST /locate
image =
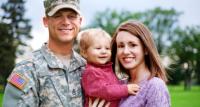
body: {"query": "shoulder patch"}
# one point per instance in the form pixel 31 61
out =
pixel 18 80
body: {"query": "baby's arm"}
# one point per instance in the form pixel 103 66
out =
pixel 133 89
pixel 95 85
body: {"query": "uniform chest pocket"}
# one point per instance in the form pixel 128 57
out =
pixel 75 84
pixel 53 88
pixel 75 89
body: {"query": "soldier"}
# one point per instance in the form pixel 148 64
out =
pixel 51 76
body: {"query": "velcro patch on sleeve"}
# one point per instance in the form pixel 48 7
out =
pixel 18 80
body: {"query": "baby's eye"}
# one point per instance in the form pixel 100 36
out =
pixel 97 48
pixel 107 48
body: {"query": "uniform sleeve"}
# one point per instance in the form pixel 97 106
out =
pixel 95 85
pixel 17 96
pixel 158 95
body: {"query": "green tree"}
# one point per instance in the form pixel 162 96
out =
pixel 15 30
pixel 185 52
pixel 161 22
pixel 109 20
pixel 7 54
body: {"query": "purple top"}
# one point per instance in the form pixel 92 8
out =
pixel 153 93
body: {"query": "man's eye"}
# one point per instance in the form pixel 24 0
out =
pixel 56 16
pixel 72 17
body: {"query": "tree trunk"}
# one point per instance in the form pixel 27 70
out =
pixel 197 70
pixel 187 81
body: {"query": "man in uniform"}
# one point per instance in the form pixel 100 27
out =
pixel 51 76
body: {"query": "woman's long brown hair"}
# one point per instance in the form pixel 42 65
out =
pixel 152 60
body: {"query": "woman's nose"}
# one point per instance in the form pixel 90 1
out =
pixel 126 50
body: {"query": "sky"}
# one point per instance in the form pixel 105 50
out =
pixel 35 12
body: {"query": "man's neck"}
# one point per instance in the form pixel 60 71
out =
pixel 62 49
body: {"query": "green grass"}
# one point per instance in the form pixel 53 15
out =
pixel 181 98
pixel 1 99
pixel 1 95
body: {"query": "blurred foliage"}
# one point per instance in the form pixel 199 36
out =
pixel 185 51
pixel 181 47
pixel 161 22
pixel 15 31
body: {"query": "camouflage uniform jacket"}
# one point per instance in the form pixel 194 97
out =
pixel 49 82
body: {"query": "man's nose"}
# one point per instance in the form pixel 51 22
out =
pixel 66 20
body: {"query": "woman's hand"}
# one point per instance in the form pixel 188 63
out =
pixel 98 103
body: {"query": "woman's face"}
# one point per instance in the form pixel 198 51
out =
pixel 130 51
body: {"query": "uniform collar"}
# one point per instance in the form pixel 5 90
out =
pixel 53 62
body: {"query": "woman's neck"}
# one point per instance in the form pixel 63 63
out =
pixel 139 74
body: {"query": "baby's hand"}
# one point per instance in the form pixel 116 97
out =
pixel 133 89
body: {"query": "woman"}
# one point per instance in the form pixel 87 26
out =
pixel 136 60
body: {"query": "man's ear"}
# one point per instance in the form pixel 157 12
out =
pixel 45 21
pixel 81 20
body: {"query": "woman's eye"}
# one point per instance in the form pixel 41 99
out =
pixel 120 46
pixel 132 45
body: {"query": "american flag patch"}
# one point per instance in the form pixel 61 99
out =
pixel 18 80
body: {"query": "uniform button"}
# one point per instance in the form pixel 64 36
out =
pixel 74 92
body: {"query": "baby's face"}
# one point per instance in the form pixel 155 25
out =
pixel 99 51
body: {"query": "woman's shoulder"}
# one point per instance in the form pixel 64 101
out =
pixel 158 94
pixel 156 80
pixel 157 83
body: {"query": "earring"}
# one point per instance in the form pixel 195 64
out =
pixel 146 53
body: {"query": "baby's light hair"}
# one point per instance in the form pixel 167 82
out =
pixel 86 37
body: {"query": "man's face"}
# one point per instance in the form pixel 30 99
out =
pixel 63 26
